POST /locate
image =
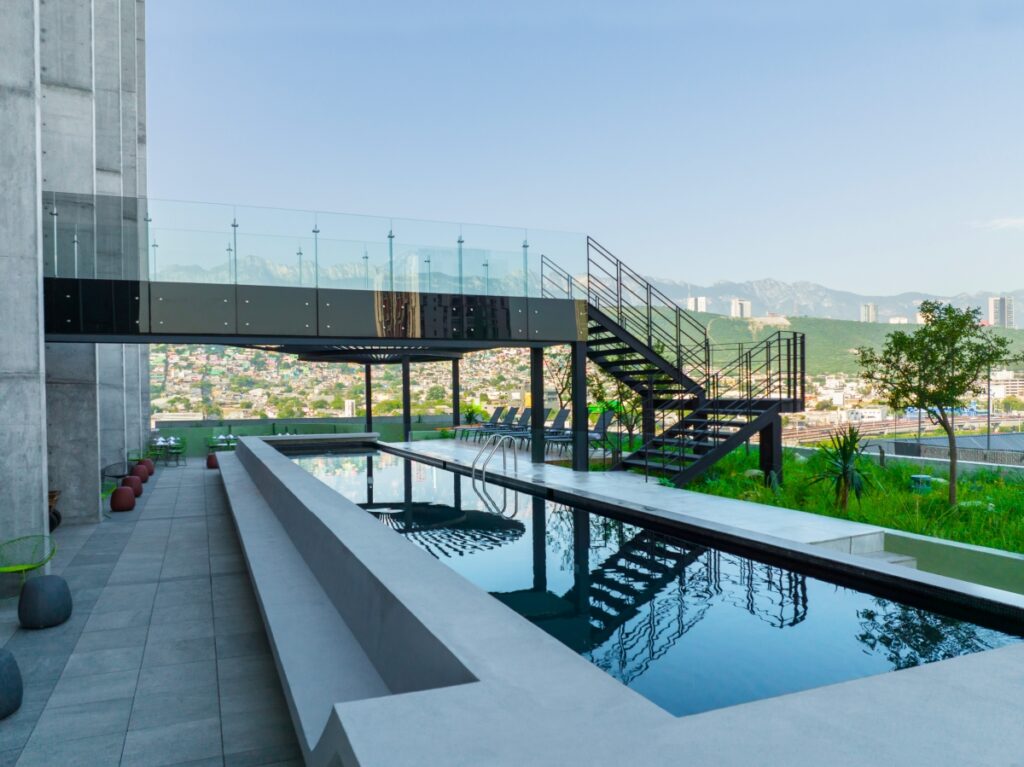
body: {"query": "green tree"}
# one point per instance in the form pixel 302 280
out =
pixel 936 368
pixel 1011 403
pixel 436 392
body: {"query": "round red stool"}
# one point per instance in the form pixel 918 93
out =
pixel 134 483
pixel 150 466
pixel 122 499
pixel 141 472
pixel 211 461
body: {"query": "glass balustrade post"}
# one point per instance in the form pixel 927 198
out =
pixel 154 246
pixel 148 221
pixel 427 262
pixel 459 244
pixel 526 270
pixel 391 260
pixel 366 269
pixel 234 250
pixel 74 244
pixel 487 278
pixel 316 254
pixel 299 254
pixel 230 252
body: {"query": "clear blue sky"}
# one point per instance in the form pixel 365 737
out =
pixel 873 146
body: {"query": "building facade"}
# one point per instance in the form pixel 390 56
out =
pixel 72 114
pixel 740 308
pixel 696 303
pixel 869 312
pixel 1000 312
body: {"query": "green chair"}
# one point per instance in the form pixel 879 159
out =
pixel 178 452
pixel 19 555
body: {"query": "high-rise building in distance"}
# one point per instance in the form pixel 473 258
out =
pixel 740 308
pixel 869 312
pixel 1000 312
pixel 696 303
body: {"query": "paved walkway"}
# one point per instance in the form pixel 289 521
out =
pixel 165 660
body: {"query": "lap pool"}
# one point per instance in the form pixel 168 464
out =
pixel 689 626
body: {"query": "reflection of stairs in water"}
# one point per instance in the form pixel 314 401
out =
pixel 626 581
pixel 447 532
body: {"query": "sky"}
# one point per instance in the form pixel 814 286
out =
pixel 872 145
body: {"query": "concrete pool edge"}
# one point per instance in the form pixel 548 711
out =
pixel 545 716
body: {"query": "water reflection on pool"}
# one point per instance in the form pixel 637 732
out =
pixel 690 627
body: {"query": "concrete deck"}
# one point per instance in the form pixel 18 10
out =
pixel 636 490
pixel 165 660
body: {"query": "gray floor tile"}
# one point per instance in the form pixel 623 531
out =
pixel 95 687
pixel 103 661
pixel 172 744
pixel 243 644
pixel 97 751
pixel 255 730
pixel 183 677
pixel 175 651
pixel 83 720
pixel 162 708
pixel 190 611
pixel 133 636
pixel 184 630
pixel 117 619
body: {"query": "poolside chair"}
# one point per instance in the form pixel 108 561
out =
pixel 505 423
pixel 515 428
pixel 463 431
pixel 556 428
pixel 595 437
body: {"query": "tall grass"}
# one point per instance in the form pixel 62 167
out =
pixel 990 512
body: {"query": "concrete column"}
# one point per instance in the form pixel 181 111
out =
pixel 72 407
pixel 23 474
pixel 113 446
pixel 134 438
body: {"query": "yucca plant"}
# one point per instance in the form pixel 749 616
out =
pixel 842 469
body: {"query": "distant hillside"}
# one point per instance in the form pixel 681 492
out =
pixel 808 299
pixel 829 342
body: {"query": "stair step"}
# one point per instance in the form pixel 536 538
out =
pixel 654 463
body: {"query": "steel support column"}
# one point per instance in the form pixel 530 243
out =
pixel 537 403
pixel 456 394
pixel 406 401
pixel 770 450
pixel 369 397
pixel 580 422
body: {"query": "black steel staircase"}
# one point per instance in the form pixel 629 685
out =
pixel 699 401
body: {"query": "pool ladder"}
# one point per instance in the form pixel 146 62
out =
pixel 495 442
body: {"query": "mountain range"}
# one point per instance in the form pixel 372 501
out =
pixel 808 299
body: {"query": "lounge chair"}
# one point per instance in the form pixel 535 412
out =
pixel 595 437
pixel 505 423
pixel 511 428
pixel 557 428
pixel 463 431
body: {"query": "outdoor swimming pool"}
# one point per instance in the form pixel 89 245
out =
pixel 689 626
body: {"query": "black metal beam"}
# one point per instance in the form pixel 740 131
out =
pixel 537 403
pixel 770 450
pixel 580 415
pixel 369 397
pixel 456 394
pixel 406 401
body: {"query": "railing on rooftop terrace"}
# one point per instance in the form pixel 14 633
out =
pixel 100 236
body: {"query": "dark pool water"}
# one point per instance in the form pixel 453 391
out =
pixel 690 627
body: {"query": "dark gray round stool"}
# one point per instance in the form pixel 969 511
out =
pixel 10 684
pixel 45 602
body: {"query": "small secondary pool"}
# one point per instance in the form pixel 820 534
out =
pixel 690 627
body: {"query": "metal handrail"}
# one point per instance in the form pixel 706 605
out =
pixel 494 441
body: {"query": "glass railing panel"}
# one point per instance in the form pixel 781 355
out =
pixel 184 241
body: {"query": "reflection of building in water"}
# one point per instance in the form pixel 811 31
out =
pixel 445 531
pixel 776 596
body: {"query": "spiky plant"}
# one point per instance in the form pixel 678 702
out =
pixel 842 469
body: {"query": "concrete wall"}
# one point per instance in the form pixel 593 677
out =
pixel 23 474
pixel 73 443
pixel 71 83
